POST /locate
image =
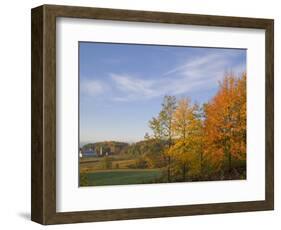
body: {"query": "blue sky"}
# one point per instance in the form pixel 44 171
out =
pixel 122 86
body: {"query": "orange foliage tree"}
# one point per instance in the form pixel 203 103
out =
pixel 225 123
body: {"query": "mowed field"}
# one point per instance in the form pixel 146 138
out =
pixel 93 172
pixel 123 176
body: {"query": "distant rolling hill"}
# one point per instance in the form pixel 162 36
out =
pixel 110 147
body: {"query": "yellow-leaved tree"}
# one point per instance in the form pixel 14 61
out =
pixel 187 130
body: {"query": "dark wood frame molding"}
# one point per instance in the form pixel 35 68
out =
pixel 43 160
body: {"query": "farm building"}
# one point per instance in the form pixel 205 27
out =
pixel 88 153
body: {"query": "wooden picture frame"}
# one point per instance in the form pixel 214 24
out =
pixel 43 189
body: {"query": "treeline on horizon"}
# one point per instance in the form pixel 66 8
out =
pixel 193 142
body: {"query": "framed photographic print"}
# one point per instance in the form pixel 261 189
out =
pixel 141 114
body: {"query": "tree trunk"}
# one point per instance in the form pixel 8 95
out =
pixel 169 170
pixel 169 160
pixel 229 162
pixel 184 172
pixel 201 162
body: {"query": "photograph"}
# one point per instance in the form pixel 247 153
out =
pixel 140 114
pixel 152 113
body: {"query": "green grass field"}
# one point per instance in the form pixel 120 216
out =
pixel 121 176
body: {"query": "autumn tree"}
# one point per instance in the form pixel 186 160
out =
pixel 187 129
pixel 196 134
pixel 162 124
pixel 156 127
pixel 225 123
pixel 210 137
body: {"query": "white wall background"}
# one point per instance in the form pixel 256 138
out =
pixel 15 113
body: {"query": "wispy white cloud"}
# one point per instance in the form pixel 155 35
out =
pixel 201 73
pixel 93 87
pixel 132 84
pixel 194 64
